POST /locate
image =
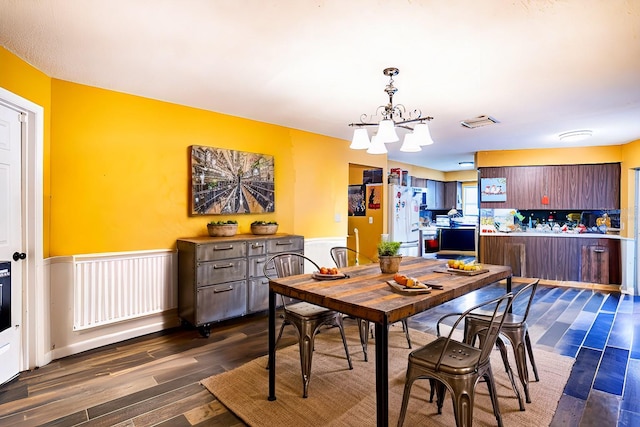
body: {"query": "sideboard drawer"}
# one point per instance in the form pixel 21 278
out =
pixel 226 270
pixel 222 250
pixel 222 301
pixel 285 244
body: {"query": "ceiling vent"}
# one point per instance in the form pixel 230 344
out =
pixel 478 121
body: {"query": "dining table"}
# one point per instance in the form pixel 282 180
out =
pixel 364 292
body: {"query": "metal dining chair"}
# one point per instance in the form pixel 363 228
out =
pixel 305 317
pixel 516 331
pixel 457 366
pixel 342 256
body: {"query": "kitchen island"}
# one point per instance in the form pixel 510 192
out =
pixel 580 257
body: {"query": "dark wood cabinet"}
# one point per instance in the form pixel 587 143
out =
pixel 453 195
pixel 556 258
pixel 579 187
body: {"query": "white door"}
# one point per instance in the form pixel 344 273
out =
pixel 10 238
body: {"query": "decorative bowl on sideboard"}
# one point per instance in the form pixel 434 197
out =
pixel 222 230
pixel 264 228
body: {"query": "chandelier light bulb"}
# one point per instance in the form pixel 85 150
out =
pixel 410 144
pixel 387 131
pixel 377 146
pixel 423 135
pixel 360 139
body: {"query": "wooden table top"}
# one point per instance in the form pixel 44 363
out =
pixel 365 293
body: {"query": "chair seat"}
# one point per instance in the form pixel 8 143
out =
pixel 510 319
pixel 461 358
pixel 308 310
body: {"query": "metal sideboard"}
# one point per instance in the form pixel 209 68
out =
pixel 222 277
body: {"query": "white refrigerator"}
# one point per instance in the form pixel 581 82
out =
pixel 404 217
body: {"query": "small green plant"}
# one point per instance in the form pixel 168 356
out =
pixel 264 223
pixel 227 222
pixel 388 248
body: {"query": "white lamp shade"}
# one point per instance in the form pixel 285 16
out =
pixel 422 134
pixel 387 131
pixel 410 144
pixel 377 146
pixel 360 139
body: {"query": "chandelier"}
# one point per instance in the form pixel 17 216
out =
pixel 393 116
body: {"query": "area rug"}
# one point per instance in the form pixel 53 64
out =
pixel 342 397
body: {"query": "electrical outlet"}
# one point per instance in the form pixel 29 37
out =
pixel 370 220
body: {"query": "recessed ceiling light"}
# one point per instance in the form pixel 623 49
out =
pixel 575 135
pixel 466 164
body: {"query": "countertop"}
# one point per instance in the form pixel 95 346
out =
pixel 557 235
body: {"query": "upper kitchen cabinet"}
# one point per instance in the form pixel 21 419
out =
pixel 436 195
pixel 580 187
pixel 453 195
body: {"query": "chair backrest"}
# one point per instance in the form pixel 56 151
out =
pixel 287 264
pixel 529 291
pixel 341 255
pixel 500 307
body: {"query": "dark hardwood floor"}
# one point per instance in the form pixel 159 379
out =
pixel 154 380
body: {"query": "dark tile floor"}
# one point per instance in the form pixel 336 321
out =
pixel 600 330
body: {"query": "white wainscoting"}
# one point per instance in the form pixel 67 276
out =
pixel 101 299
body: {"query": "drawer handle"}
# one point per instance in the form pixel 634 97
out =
pixel 215 266
pixel 217 291
pixel 225 248
pixel 261 260
pixel 284 243
pixel 598 249
pixel 256 246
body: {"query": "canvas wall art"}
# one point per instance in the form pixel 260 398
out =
pixel 227 181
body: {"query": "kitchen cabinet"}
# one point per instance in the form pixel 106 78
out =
pixel 591 258
pixel 435 195
pixel 566 187
pixel 222 277
pixel 453 195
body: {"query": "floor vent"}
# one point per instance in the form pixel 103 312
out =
pixel 478 121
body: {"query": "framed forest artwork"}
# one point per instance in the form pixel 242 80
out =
pixel 227 181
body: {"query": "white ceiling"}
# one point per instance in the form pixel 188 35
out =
pixel 540 67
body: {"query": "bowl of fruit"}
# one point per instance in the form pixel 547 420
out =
pixel 328 273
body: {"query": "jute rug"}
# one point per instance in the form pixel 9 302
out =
pixel 342 397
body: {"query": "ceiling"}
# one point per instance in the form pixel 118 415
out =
pixel 540 67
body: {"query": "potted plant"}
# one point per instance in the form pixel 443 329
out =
pixel 264 227
pixel 222 228
pixel 389 258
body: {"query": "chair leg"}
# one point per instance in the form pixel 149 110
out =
pixel 363 328
pixel 491 385
pixel 507 367
pixel 306 356
pixel 462 408
pixel 527 340
pixel 405 327
pixel 405 396
pixel 523 372
pixel 344 340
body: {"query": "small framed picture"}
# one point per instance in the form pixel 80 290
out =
pixel 493 190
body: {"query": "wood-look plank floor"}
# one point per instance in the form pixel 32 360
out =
pixel 154 380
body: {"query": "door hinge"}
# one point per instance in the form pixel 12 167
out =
pixel 22 117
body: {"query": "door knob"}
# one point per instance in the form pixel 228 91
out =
pixel 19 255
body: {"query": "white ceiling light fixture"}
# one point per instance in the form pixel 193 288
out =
pixel 393 117
pixel 575 135
pixel 466 164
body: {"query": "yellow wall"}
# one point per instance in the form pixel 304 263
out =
pixel 121 176
pixel 22 79
pixel 368 233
